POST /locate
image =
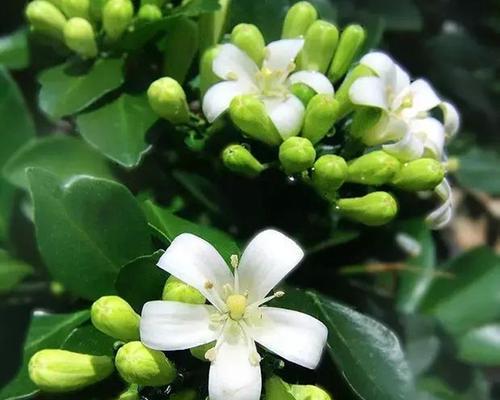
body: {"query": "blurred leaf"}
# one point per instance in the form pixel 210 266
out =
pixel 401 15
pixel 88 340
pixel 195 8
pixel 479 170
pixel 14 51
pixel 481 346
pixel 67 89
pixel 87 229
pixel 118 129
pixel 201 189
pixel 277 389
pixel 12 272
pixel 7 193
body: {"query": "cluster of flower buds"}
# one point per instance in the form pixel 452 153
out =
pixel 277 389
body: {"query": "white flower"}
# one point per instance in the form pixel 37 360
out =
pixel 271 83
pixel 236 318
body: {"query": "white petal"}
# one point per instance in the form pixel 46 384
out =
pixel 402 80
pixel 315 80
pixel 219 97
pixel 231 63
pixel 267 259
pixel 232 376
pixel 287 114
pixel 281 53
pixel 442 215
pixel 384 66
pixel 369 91
pixel 423 95
pixel 431 133
pixel 387 129
pixel 196 262
pixel 451 119
pixel 171 325
pixel 407 149
pixel 295 336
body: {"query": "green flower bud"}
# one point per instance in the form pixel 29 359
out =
pixel 130 394
pixel 211 25
pixel 79 37
pixel 351 40
pixel 200 351
pixel 157 3
pixel 422 174
pixel 304 92
pixel 238 158
pixel 298 20
pixel 329 174
pixel 375 168
pixel 168 100
pixel 342 95
pixel 249 39
pixel 374 209
pixel 188 394
pixel 76 8
pixel 320 44
pixel 59 371
pixel 176 290
pixel 207 75
pixel 116 17
pixel 296 154
pixel 308 392
pixel 363 122
pixel 46 18
pixel 113 316
pixel 96 7
pixel 249 114
pixel 57 3
pixel 319 117
pixel 145 367
pixel 149 12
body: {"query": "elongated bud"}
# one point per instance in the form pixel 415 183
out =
pixel 320 44
pixel 374 209
pixel 200 351
pixel 60 371
pixel 116 17
pixel 145 367
pixel 304 92
pixel 207 75
pixel 168 100
pixel 46 18
pixel 131 393
pixel 176 290
pixel 364 122
pixel 238 159
pixel 345 105
pixel 187 394
pixel 308 392
pixel 249 114
pixel 149 12
pixel 76 8
pixel 298 19
pixel 211 25
pixel 422 174
pixel 319 117
pixel 113 316
pixel 375 168
pixel 350 43
pixel 79 36
pixel 57 3
pixel 329 174
pixel 249 39
pixel 296 154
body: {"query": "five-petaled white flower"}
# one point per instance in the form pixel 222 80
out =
pixel 270 82
pixel 237 317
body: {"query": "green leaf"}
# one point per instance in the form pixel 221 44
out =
pixel 69 88
pixel 479 170
pixel 195 8
pixel 14 51
pixel 87 229
pixel 88 340
pixel 141 281
pixel 45 331
pixel 7 193
pixel 169 226
pixel 481 346
pixel 277 389
pixel 201 189
pixel 64 156
pixel 118 129
pixel 12 272
pixel 402 15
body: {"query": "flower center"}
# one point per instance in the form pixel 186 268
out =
pixel 237 304
pixel 272 83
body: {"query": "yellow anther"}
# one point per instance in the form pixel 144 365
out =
pixel 232 76
pixel 234 261
pixel 237 304
pixel 209 285
pixel 407 102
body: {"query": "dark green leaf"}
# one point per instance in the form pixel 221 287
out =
pixel 7 192
pixel 195 8
pixel 88 340
pixel 481 346
pixel 402 15
pixel 14 51
pixel 479 170
pixel 12 272
pixel 201 189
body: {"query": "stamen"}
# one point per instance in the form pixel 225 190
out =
pixel 253 356
pixel 209 285
pixel 276 295
pixel 234 261
pixel 228 290
pixel 216 300
pixel 232 76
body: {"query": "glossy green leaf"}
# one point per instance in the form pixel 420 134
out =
pixel 118 129
pixel 87 229
pixel 14 51
pixel 7 193
pixel 68 88
pixel 481 346
pixel 45 331
pixel 12 272
pixel 479 170
pixel 88 340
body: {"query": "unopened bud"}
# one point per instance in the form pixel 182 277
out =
pixel 142 366
pixel 329 174
pixel 176 290
pixel 320 44
pixel 79 36
pixel 187 394
pixel 130 394
pixel 249 114
pixel 375 168
pixel 350 43
pixel 422 174
pixel 296 154
pixel 303 92
pixel 308 392
pixel 238 159
pixel 60 371
pixel 345 105
pixel 115 317
pixel 199 352
pixel 116 17
pixel 249 39
pixel 46 18
pixel 168 100
pixel 76 8
pixel 374 209
pixel 57 3
pixel 207 75
pixel 365 123
pixel 298 20
pixel 319 117
pixel 149 12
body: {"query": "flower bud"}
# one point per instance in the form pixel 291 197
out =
pixel 46 18
pixel 113 316
pixel 298 20
pixel 187 394
pixel 157 3
pixel 76 8
pixel 374 209
pixel 168 100
pixel 130 394
pixel 320 44
pixel 238 158
pixel 351 41
pixel 96 7
pixel 200 351
pixel 308 392
pixel 303 92
pixel 319 117
pixel 329 174
pixel 142 366
pixel 342 94
pixel 207 75
pixel 61 371
pixel 296 154
pixel 57 3
pixel 176 290
pixel 149 12
pixel 375 168
pixel 116 17
pixel 249 39
pixel 249 114
pixel 422 174
pixel 79 37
